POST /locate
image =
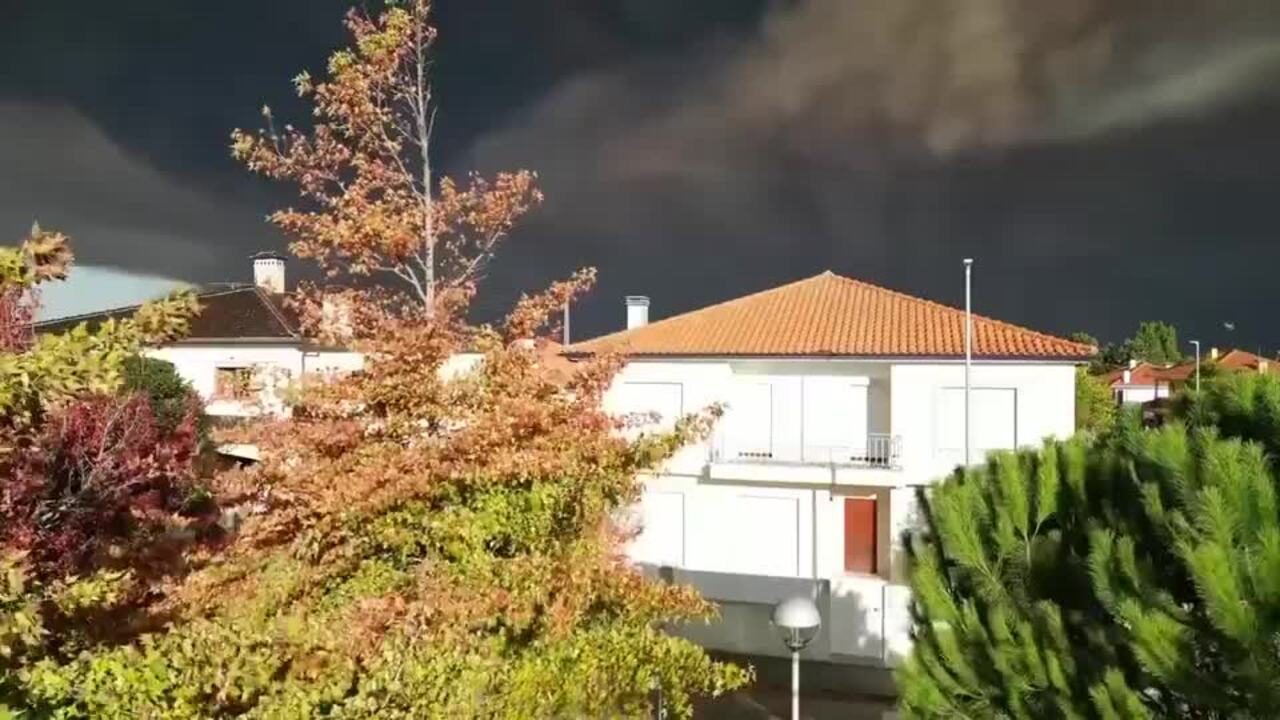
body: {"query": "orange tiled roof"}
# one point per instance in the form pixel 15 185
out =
pixel 1145 373
pixel 1237 360
pixel 551 356
pixel 830 315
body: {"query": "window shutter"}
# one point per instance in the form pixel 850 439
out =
pixel 751 421
pixel 860 535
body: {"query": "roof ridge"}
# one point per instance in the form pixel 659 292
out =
pixel 275 311
pixel 949 308
pixel 135 306
pixel 707 308
pixel 88 315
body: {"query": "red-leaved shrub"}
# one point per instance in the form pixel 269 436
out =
pixel 98 474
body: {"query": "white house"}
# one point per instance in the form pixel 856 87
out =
pixel 245 349
pixel 842 399
pixel 1143 382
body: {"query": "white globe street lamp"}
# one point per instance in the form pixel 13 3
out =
pixel 798 621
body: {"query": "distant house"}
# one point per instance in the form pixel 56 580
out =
pixel 1141 382
pixel 843 398
pixel 245 348
pixel 1242 361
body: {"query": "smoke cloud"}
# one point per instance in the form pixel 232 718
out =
pixel 888 138
pixel 58 168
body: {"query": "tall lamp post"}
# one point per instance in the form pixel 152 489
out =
pixel 798 621
pixel 968 350
pixel 1197 344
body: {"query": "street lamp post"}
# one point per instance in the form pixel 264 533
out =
pixel 798 621
pixel 1197 344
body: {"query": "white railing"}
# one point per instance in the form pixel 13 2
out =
pixel 880 451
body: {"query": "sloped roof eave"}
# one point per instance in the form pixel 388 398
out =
pixel 1064 359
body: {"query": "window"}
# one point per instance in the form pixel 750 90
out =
pixel 994 415
pixel 233 383
pixel 750 420
pixel 834 419
pixel 650 406
pixel 860 535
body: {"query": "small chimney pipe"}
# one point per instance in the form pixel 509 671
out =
pixel 637 311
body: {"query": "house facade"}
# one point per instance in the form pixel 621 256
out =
pixel 841 400
pixel 1143 382
pixel 245 350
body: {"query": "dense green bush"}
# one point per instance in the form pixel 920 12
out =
pixel 171 396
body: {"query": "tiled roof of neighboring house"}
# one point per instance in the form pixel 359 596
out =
pixel 1145 373
pixel 1244 360
pixel 551 356
pixel 830 315
pixel 243 312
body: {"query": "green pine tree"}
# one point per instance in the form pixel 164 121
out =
pixel 1156 342
pixel 1005 622
pixel 1135 576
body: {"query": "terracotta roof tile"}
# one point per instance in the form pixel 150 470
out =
pixel 1145 373
pixel 830 315
pixel 1237 360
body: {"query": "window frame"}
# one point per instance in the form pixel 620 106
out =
pixel 249 385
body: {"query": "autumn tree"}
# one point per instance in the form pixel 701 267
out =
pixel 375 204
pixel 421 539
pixel 423 543
pixel 85 471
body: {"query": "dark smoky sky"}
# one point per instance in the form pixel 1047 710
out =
pixel 1106 161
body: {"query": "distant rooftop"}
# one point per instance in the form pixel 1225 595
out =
pixel 227 312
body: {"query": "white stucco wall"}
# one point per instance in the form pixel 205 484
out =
pixel 1137 394
pixel 275 368
pixel 1044 396
pixel 747 526
pixel 904 399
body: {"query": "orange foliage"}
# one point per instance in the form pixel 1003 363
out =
pixel 364 168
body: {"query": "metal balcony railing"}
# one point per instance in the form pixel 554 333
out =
pixel 880 451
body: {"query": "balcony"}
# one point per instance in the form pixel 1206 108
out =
pixel 881 451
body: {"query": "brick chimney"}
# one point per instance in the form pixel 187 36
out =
pixel 268 272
